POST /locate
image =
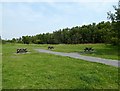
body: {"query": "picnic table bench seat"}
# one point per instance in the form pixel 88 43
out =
pixel 22 50
pixel 89 49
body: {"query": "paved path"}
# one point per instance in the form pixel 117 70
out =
pixel 87 58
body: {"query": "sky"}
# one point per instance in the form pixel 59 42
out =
pixel 35 17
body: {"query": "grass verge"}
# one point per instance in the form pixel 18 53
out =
pixel 46 71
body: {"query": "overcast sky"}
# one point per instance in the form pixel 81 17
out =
pixel 31 18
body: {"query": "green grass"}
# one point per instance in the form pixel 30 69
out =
pixel 46 71
pixel 101 50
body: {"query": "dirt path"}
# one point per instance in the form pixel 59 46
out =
pixel 87 58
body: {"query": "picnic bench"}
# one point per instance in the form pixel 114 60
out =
pixel 50 47
pixel 88 49
pixel 22 50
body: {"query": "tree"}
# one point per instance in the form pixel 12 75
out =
pixel 26 39
pixel 13 40
pixel 115 18
pixel 0 40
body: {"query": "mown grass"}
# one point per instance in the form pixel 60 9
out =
pixel 100 50
pixel 46 71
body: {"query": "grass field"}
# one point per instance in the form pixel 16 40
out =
pixel 46 71
pixel 101 50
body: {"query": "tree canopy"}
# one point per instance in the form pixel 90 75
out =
pixel 92 33
pixel 115 31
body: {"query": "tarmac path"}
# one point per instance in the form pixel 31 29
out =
pixel 87 58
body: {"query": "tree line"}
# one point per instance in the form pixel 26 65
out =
pixel 103 32
pixel 92 33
